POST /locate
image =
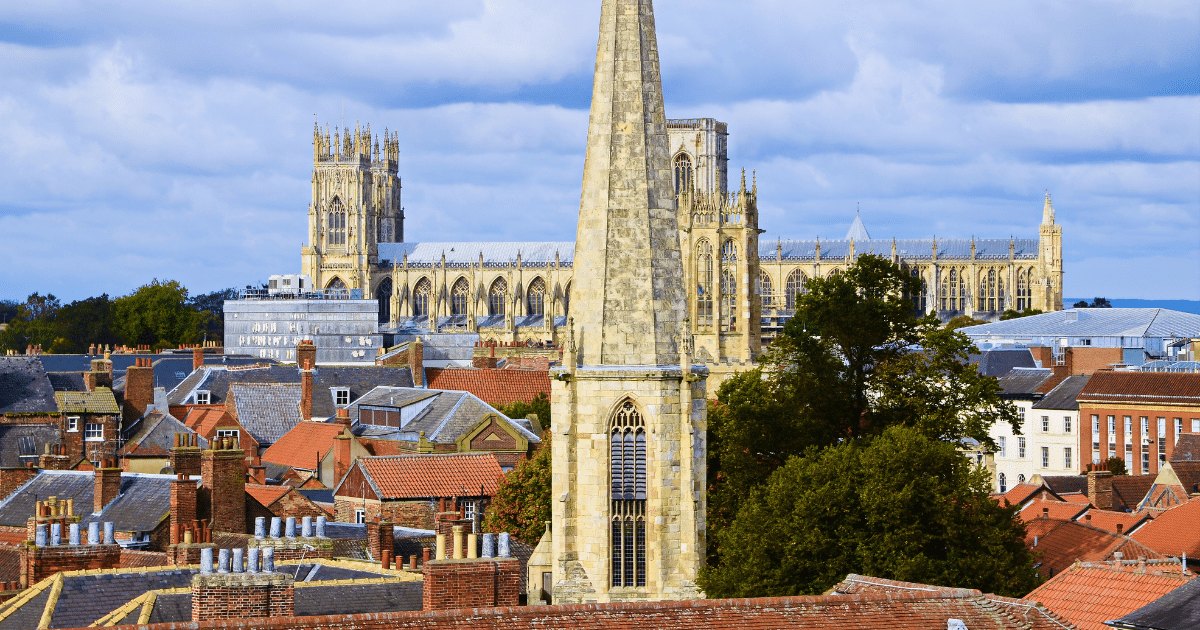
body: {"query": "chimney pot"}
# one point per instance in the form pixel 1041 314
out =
pixel 1045 512
pixel 1120 527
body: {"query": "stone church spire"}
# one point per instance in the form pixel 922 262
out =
pixel 629 299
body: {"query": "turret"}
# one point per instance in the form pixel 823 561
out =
pixel 1048 211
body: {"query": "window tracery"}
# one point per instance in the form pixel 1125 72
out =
pixel 795 287
pixel 627 472
pixel 421 293
pixel 535 299
pixel 497 296
pixel 766 289
pixel 704 283
pixel 683 173
pixel 335 223
pixel 460 297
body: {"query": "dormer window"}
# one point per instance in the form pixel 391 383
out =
pixel 203 397
pixel 341 396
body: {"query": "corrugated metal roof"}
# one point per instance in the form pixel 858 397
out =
pixel 460 253
pixel 1094 322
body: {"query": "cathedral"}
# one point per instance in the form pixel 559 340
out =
pixel 741 288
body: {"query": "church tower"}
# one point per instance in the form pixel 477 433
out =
pixel 1048 296
pixel 355 206
pixel 629 409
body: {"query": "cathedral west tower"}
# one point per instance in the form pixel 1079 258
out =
pixel 629 410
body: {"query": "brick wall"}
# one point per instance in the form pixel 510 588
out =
pixel 1136 412
pixel 139 390
pixel 451 584
pixel 242 596
pixel 13 478
pixel 38 563
pixel 183 506
pixel 415 514
pixel 296 548
pixel 186 555
pixel 185 460
pixel 380 538
pixel 223 489
pixel 108 485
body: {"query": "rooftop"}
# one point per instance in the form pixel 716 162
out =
pixel 427 476
pixel 21 444
pixel 443 415
pixel 141 504
pixel 1174 531
pixel 24 386
pixel 303 446
pixel 1061 543
pixel 267 411
pixel 1094 322
pixel 997 362
pixel 1177 610
pixel 496 387
pixel 1088 594
pixel 1063 396
pixel 154 435
pixel 1143 387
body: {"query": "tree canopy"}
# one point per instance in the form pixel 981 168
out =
pixel 1014 314
pixel 1096 303
pixel 521 507
pixel 852 365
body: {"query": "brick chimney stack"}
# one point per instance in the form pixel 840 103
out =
pixel 183 506
pixel 223 485
pixel 139 389
pixel 306 353
pixel 197 358
pixel 1100 489
pixel 108 484
pixel 306 390
pixel 341 456
pixel 185 455
pixel 416 362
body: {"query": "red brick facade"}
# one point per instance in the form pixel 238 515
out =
pixel 108 485
pixel 13 478
pixel 415 514
pixel 139 390
pixel 1159 408
pixel 484 583
pixel 186 459
pixel 183 507
pixel 242 596
pixel 223 489
pixel 39 563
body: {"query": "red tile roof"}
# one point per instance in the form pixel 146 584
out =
pixel 428 476
pixel 303 446
pixel 1081 499
pixel 495 387
pixel 266 495
pixel 1143 387
pixel 1108 521
pixel 1089 594
pixel 1174 532
pixel 1071 541
pixel 1058 510
pixel 205 421
pixel 1020 493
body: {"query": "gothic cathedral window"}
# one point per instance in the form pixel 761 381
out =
pixel 459 297
pixel 766 289
pixel 795 287
pixel 535 301
pixel 497 296
pixel 683 173
pixel 728 300
pixel 335 223
pixel 627 469
pixel 704 283
pixel 1023 292
pixel 567 301
pixel 420 301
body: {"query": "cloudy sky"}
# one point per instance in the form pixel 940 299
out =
pixel 143 139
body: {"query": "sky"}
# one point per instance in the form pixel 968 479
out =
pixel 172 140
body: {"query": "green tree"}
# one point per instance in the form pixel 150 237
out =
pixel 962 321
pixel 86 322
pixel 898 505
pixel 1096 303
pixel 213 304
pixel 521 507
pixel 853 363
pixel 1116 465
pixel 34 324
pixel 1012 314
pixel 158 315
pixel 539 406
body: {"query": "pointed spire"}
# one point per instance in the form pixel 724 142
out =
pixel 858 230
pixel 631 301
pixel 1048 211
pixel 743 181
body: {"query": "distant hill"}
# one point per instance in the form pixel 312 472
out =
pixel 1187 306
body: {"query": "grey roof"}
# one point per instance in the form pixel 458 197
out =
pixel 445 417
pixel 318 495
pixel 21 444
pixel 1063 396
pixel 462 254
pixel 1024 381
pixel 1066 484
pixel 168 608
pixel 66 381
pixel 349 599
pixel 858 231
pixel 1187 448
pixel 360 380
pixel 172 369
pixel 85 599
pixel 154 435
pixel 30 614
pixel 24 386
pixel 267 410
pixel 1000 361
pixel 142 503
pixel 1095 322
pixel 907 249
pixel 1177 610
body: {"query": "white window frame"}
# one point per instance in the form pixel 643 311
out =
pixel 470 512
pixel 1045 424
pixel 1045 457
pixel 1195 425
pixel 1128 426
pixel 203 397
pixel 1021 447
pixel 73 424
pixel 1066 424
pixel 341 396
pixel 233 433
pixel 360 515
pixel 91 434
pixel 1002 443
pixel 1003 481
pixel 1067 458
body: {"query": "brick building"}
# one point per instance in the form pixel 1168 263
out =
pixel 1138 416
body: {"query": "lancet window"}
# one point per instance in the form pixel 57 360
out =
pixel 627 471
pixel 335 223
pixel 535 298
pixel 729 302
pixel 991 292
pixel 420 300
pixel 766 289
pixel 704 283
pixel 1024 286
pixel 729 251
pixel 460 297
pixel 683 173
pixel 795 287
pixel 954 291
pixel 567 301
pixel 497 296
pixel 383 296
pixel 919 298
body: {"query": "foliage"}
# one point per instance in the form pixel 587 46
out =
pixel 158 315
pixel 1096 303
pixel 521 507
pixel 213 303
pixel 539 406
pixel 851 365
pixel 1012 314
pixel 1116 465
pixel 898 505
pixel 963 321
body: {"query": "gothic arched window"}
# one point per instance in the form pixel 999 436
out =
pixel 728 298
pixel 1024 280
pixel 795 287
pixel 384 296
pixel 729 251
pixel 335 223
pixel 918 299
pixel 567 301
pixel 460 296
pixel 336 285
pixel 704 283
pixel 954 291
pixel 535 297
pixel 420 300
pixel 683 173
pixel 497 296
pixel 766 289
pixel 627 471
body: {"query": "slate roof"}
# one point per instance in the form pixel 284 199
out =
pixel 1066 484
pixel 10 564
pixel 21 444
pixel 1091 593
pixel 430 476
pixel 170 370
pixel 349 599
pixel 66 381
pixel 143 502
pixel 267 411
pixel 154 435
pixel 1174 531
pixel 100 400
pixel 1143 387
pixel 461 254
pixel 1129 490
pixel 303 446
pixel 1036 617
pixel 1024 382
pixel 1063 396
pixel 1187 448
pixel 907 248
pixel 24 386
pixel 1000 361
pixel 1061 543
pixel 446 415
pixel 359 380
pixel 1177 610
pixel 496 387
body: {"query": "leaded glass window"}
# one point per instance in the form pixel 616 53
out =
pixel 497 296
pixel 460 297
pixel 420 300
pixel 535 301
pixel 627 471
